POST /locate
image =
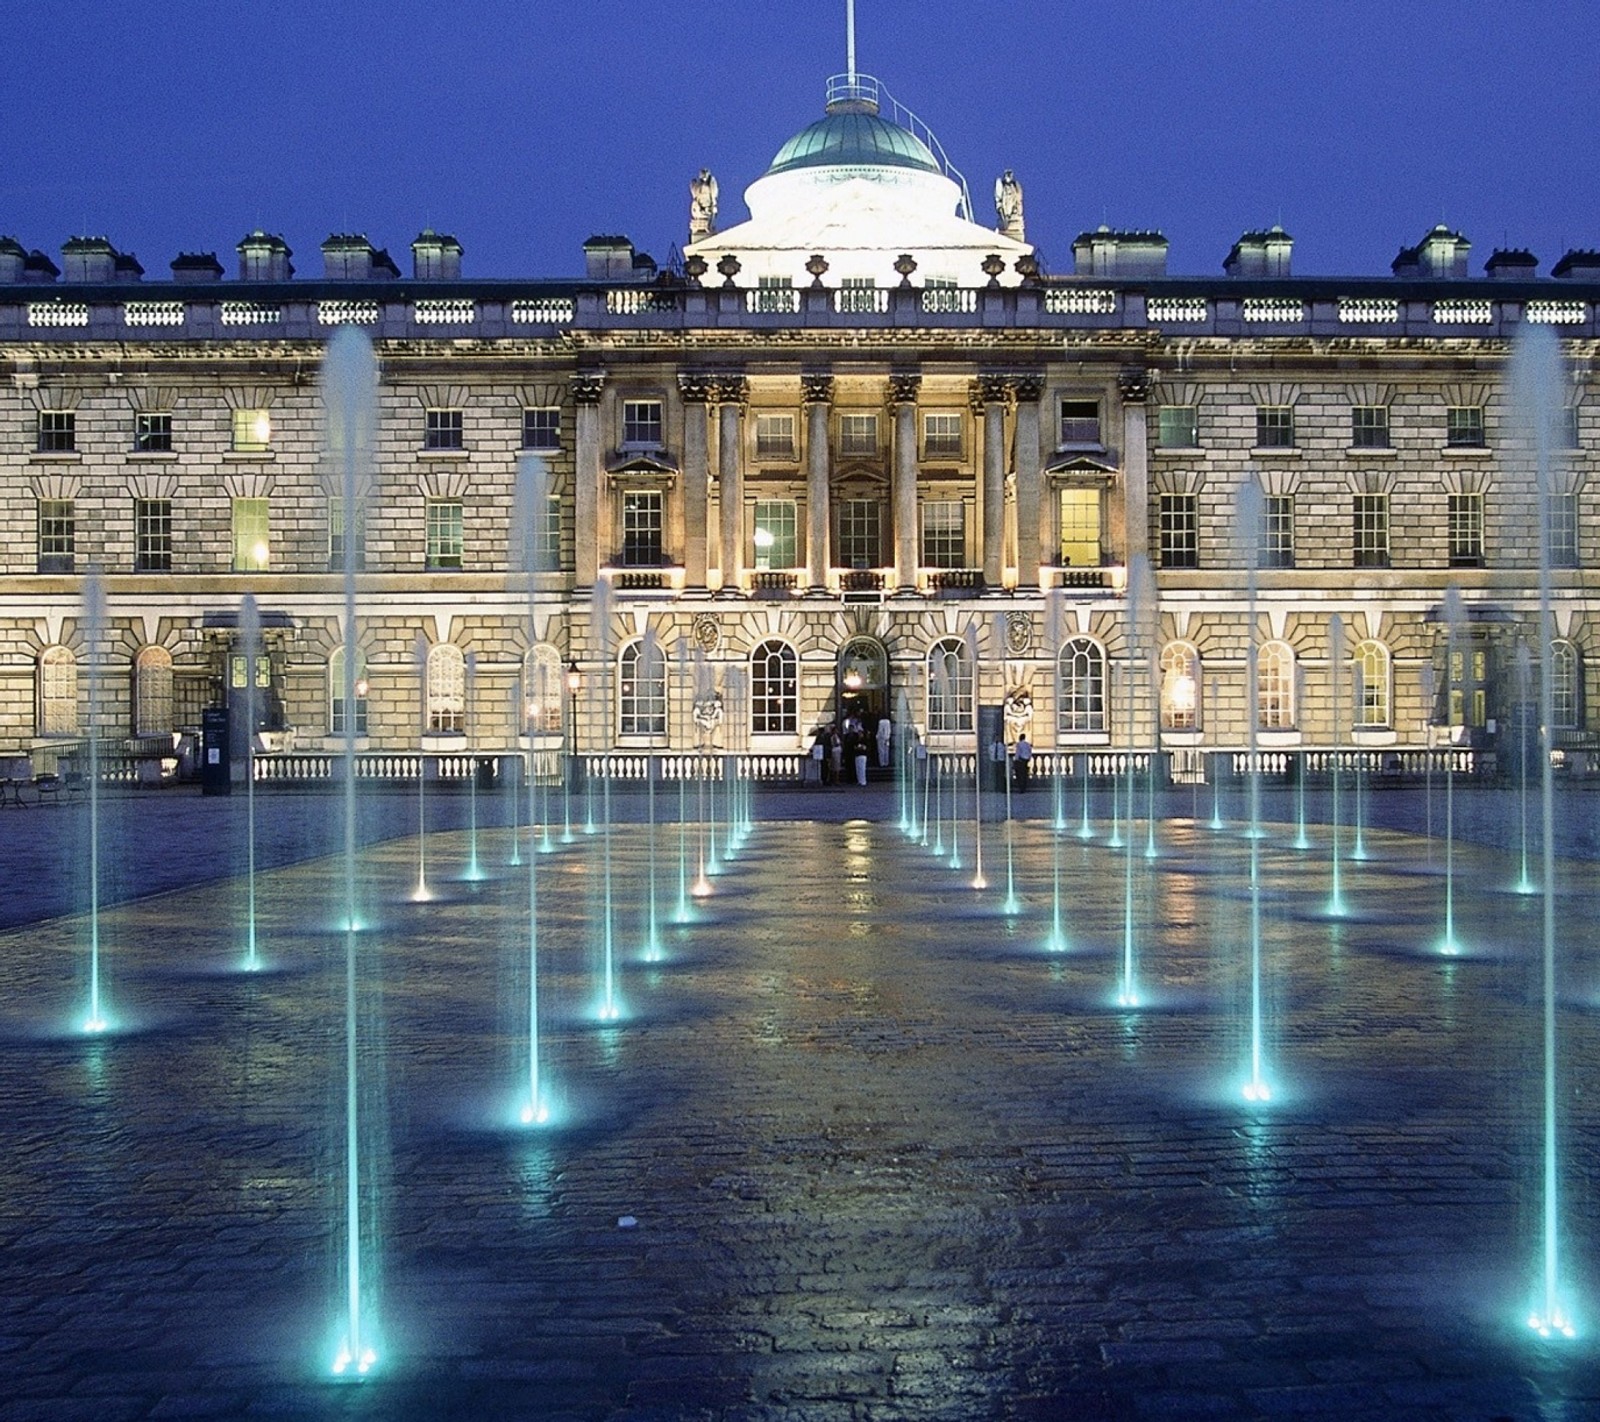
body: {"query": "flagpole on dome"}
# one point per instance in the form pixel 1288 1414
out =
pixel 850 40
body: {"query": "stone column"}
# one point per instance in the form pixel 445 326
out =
pixel 1033 530
pixel 1134 383
pixel 588 474
pixel 818 395
pixel 696 391
pixel 990 394
pixel 903 401
pixel 732 391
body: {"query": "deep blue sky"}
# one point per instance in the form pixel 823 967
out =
pixel 525 127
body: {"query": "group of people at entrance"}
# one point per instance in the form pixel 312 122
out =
pixel 838 749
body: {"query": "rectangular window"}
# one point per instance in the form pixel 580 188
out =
pixel 445 544
pixel 152 535
pixel 1467 685
pixel 1372 530
pixel 1561 510
pixel 1178 427
pixel 1369 427
pixel 251 536
pixel 775 293
pixel 1274 426
pixel 1465 528
pixel 941 436
pixel 1179 520
pixel 1080 528
pixel 443 429
pixel 58 431
pixel 1080 422
pixel 1567 427
pixel 777 545
pixel 775 437
pixel 857 294
pixel 1463 427
pixel 944 534
pixel 57 535
pixel 152 433
pixel 1277 544
pixel 336 533
pixel 252 431
pixel 858 434
pixel 641 528
pixel 641 424
pixel 541 428
pixel 860 533
pixel 547 536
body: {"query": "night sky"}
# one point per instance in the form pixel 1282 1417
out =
pixel 523 128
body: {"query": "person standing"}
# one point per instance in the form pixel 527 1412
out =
pixel 836 755
pixel 885 739
pixel 858 755
pixel 1024 763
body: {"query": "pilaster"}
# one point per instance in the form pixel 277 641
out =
pixel 902 400
pixel 1134 385
pixel 696 390
pixel 588 473
pixel 732 392
pixel 1033 530
pixel 817 391
pixel 990 395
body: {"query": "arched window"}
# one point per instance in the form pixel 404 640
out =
pixel 1180 687
pixel 58 692
pixel 1566 686
pixel 152 692
pixel 1275 687
pixel 774 690
pixel 1081 687
pixel 1371 666
pixel 641 690
pixel 336 703
pixel 447 688
pixel 949 687
pixel 541 691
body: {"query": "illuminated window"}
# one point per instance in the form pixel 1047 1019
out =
pixel 252 431
pixel 1465 529
pixel 1371 666
pixel 1274 426
pixel 642 512
pixel 1080 422
pixel 446 677
pixel 57 535
pixel 1561 511
pixel 443 429
pixel 1277 544
pixel 858 434
pixel 1080 528
pixel 642 690
pixel 152 432
pixel 1178 427
pixel 152 692
pixel 58 692
pixel 1275 687
pixel 251 545
pixel 776 534
pixel 775 437
pixel 941 436
pixel 860 541
pixel 949 688
pixel 1369 427
pixel 1466 682
pixel 542 685
pixel 152 535
pixel 336 536
pixel 1180 687
pixel 58 431
pixel 1081 687
pixel 446 547
pixel 541 428
pixel 1463 427
pixel 774 690
pixel 1566 686
pixel 1371 530
pixel 944 533
pixel 337 724
pixel 1179 521
pixel 641 424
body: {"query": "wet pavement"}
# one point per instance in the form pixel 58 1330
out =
pixel 861 1147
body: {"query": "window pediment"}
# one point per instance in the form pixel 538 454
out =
pixel 643 471
pixel 1078 468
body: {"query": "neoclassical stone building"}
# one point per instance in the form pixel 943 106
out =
pixel 858 452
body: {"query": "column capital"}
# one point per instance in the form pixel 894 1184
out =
pixel 587 386
pixel 903 388
pixel 816 388
pixel 1134 383
pixel 990 388
pixel 731 388
pixel 696 387
pixel 1027 385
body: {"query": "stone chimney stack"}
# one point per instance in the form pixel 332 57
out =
pixel 1261 254
pixel 264 257
pixel 435 257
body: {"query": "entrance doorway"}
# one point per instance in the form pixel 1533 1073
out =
pixel 862 692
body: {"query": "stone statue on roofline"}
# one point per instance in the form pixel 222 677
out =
pixel 1008 205
pixel 702 205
